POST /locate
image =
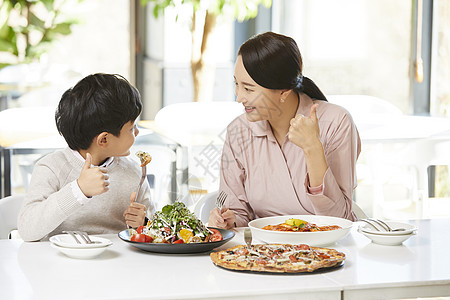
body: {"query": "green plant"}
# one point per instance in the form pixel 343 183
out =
pixel 28 28
pixel 209 11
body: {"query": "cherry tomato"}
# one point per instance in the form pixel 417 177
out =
pixel 180 241
pixel 141 238
pixel 216 235
pixel 148 239
pixel 138 238
pixel 140 229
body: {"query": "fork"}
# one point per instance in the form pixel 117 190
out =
pixel 144 173
pixel 248 237
pixel 221 200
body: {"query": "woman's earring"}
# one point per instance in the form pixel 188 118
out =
pixel 282 100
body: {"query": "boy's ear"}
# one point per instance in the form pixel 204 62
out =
pixel 102 139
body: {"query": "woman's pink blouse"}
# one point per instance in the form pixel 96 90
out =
pixel 265 179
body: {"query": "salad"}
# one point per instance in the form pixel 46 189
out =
pixel 175 224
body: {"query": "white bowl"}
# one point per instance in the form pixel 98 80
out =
pixel 393 225
pixel 67 241
pixel 388 240
pixel 317 238
pixel 80 253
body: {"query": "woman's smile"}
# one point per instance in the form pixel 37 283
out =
pixel 249 109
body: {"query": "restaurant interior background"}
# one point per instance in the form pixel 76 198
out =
pixel 349 47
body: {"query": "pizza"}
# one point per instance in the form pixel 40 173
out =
pixel 144 157
pixel 277 258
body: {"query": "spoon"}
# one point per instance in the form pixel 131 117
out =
pixel 382 224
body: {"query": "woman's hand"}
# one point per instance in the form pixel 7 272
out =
pixel 223 219
pixel 304 131
pixel 135 213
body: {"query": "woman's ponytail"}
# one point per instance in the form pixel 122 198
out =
pixel 308 87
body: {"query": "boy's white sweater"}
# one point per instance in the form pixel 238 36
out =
pixel 51 207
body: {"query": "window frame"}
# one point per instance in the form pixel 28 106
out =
pixel 422 93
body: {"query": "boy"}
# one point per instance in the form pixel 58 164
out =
pixel 90 186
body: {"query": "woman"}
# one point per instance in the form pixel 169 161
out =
pixel 292 152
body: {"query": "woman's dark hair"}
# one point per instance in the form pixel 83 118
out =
pixel 274 62
pixel 97 103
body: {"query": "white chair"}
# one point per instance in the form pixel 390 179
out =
pixel 205 205
pixel 360 214
pixel 363 105
pixel 9 211
pixel 390 165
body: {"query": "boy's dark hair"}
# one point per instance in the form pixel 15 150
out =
pixel 97 103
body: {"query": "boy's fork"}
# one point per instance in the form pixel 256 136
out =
pixel 144 173
pixel 221 200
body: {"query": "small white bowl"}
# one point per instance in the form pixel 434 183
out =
pixel 393 225
pixel 67 241
pixel 316 238
pixel 80 253
pixel 388 240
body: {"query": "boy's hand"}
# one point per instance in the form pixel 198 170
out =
pixel 93 181
pixel 135 213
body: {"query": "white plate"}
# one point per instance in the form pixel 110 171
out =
pixel 80 253
pixel 393 225
pixel 317 238
pixel 67 241
pixel 388 240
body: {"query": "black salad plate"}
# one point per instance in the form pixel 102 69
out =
pixel 178 248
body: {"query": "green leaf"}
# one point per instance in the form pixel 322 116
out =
pixel 35 21
pixel 5 8
pixel 156 11
pixel 62 28
pixel 6 46
pixel 166 209
pixel 9 41
pixel 48 4
pixel 37 50
pixel 5 30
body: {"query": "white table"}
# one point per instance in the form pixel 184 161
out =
pixel 418 268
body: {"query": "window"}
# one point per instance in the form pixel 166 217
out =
pixel 441 104
pixel 353 46
pixel 364 47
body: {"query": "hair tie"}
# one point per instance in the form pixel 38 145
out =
pixel 299 82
